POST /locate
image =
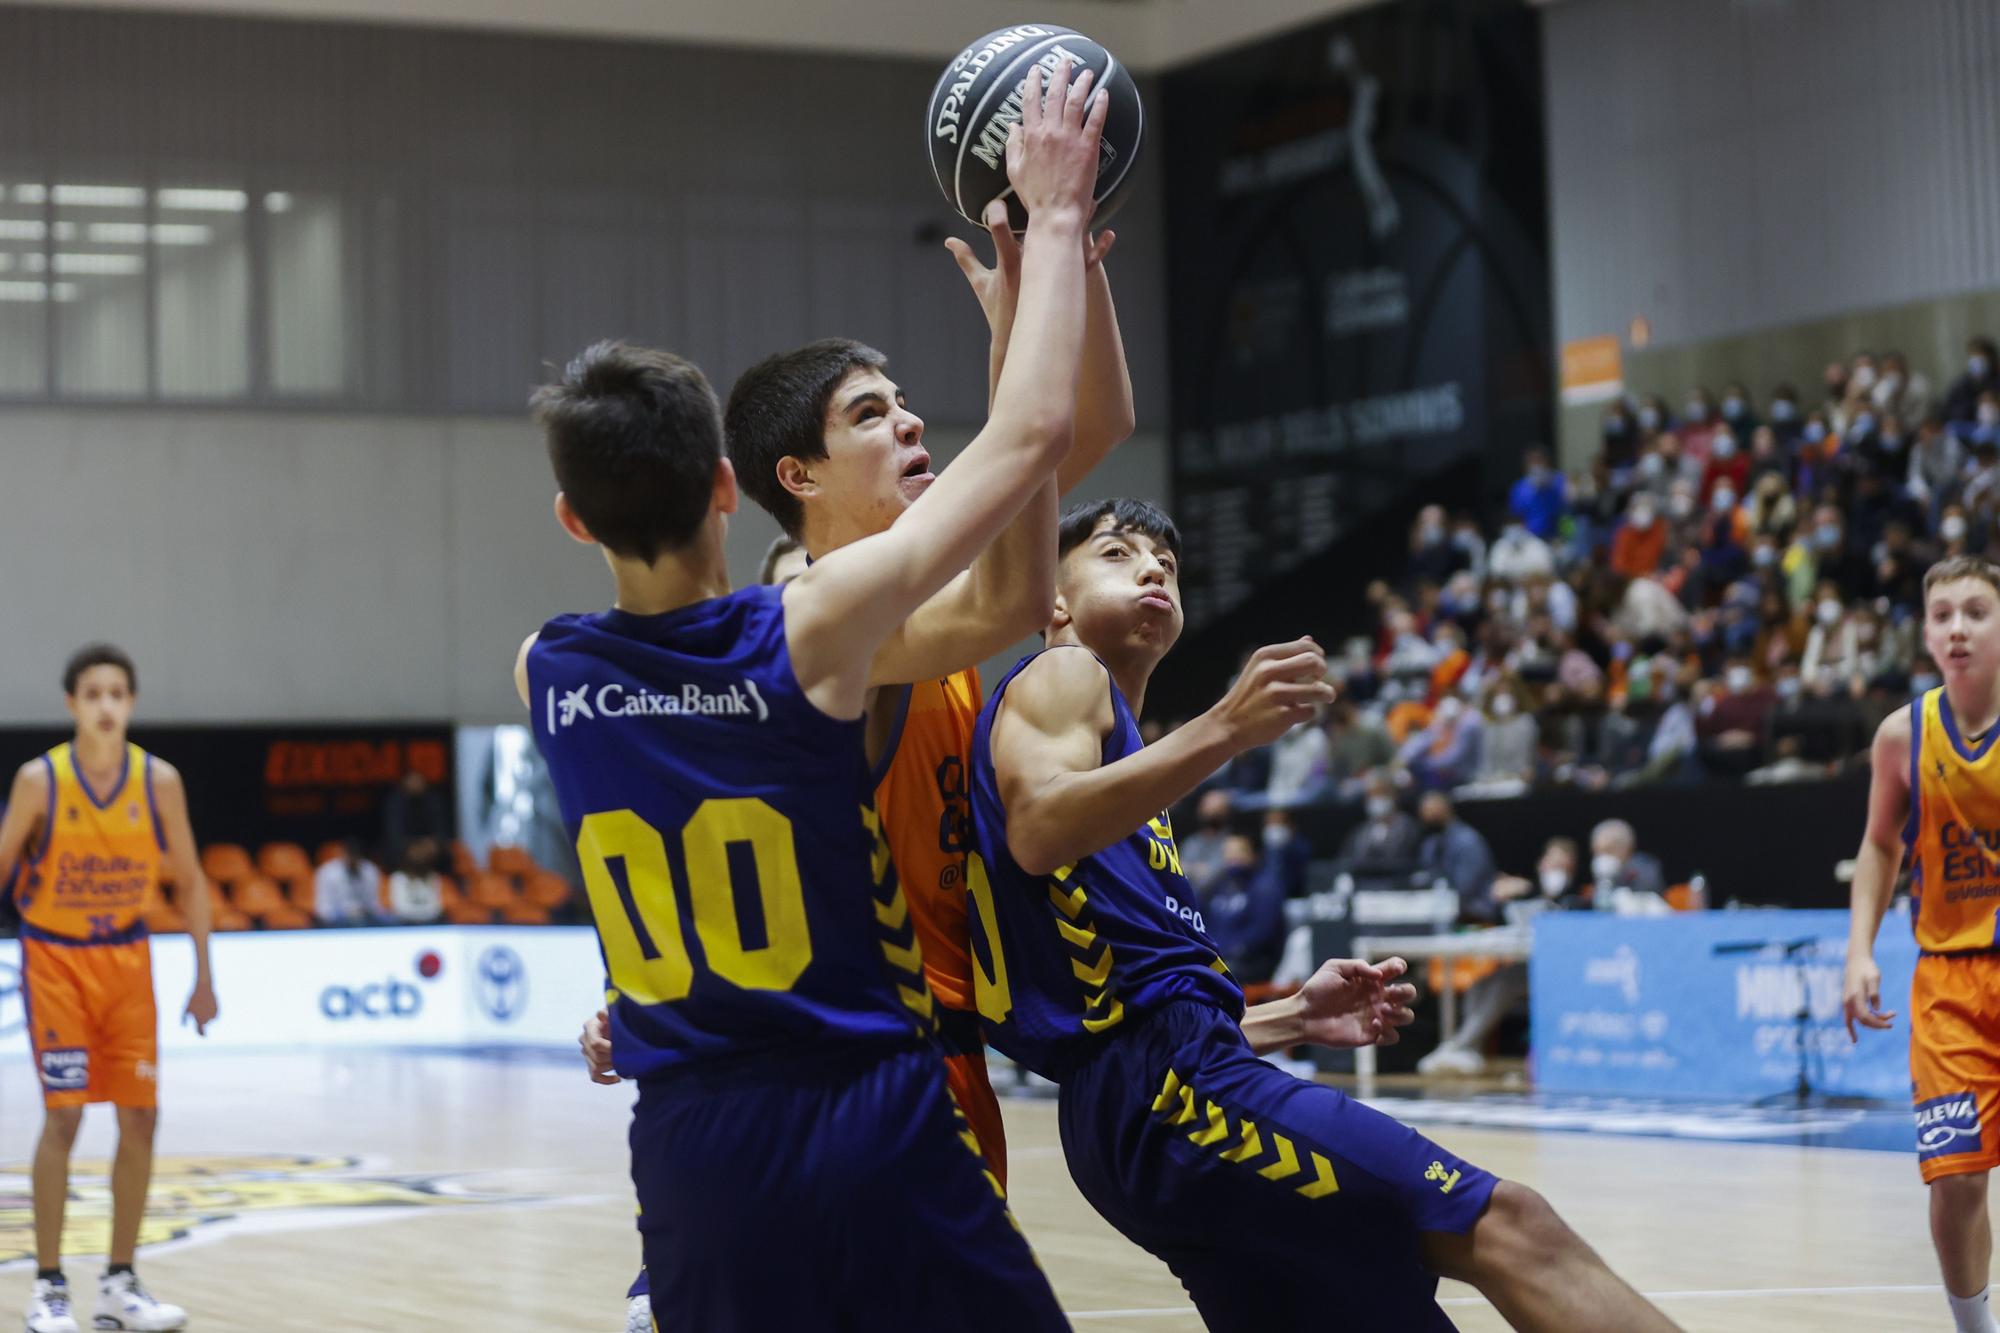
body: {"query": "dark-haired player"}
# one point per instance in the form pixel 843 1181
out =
pixel 1936 793
pixel 91 829
pixel 1279 1203
pixel 797 1158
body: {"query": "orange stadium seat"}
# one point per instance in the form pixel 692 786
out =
pixel 223 914
pixel 284 861
pixel 260 899
pixel 521 912
pixel 460 912
pixel 513 861
pixel 328 851
pixel 463 863
pixel 493 892
pixel 164 918
pixel 225 863
pixel 546 891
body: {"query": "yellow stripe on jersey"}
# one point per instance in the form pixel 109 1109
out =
pixel 1953 831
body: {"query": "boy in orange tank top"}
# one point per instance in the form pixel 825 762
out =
pixel 1935 793
pixel 91 829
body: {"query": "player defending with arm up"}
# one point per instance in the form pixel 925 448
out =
pixel 1266 1195
pixel 1936 793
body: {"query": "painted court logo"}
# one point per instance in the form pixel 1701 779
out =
pixel 1947 1125
pixel 197 1197
pixel 567 707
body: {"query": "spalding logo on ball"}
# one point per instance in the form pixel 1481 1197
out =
pixel 978 99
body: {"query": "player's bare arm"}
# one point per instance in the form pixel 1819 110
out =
pixel 1875 868
pixel 521 668
pixel 27 803
pixel 1062 806
pixel 1105 417
pixel 184 869
pixel 841 611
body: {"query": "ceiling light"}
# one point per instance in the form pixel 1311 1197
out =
pixel 204 201
pixel 100 196
pixel 277 202
pixel 21 229
pixel 107 264
pixel 24 291
pixel 182 233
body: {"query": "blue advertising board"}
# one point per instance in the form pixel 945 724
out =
pixel 1674 1006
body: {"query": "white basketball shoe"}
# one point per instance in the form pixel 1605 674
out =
pixel 639 1315
pixel 49 1308
pixel 124 1303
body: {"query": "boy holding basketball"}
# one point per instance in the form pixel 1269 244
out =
pixel 1273 1199
pixel 790 1044
pixel 91 829
pixel 1935 792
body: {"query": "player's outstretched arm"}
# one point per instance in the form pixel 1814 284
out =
pixel 842 610
pixel 1104 413
pixel 184 868
pixel 1875 867
pixel 1062 805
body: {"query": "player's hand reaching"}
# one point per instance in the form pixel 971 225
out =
pixel 999 287
pixel 596 1046
pixel 1347 1003
pixel 1052 151
pixel 1861 999
pixel 201 1007
pixel 1277 689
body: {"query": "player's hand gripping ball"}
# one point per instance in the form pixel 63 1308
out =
pixel 978 99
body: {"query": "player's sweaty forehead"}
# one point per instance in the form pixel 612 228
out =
pixel 1969 593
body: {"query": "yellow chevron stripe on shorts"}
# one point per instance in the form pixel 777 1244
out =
pixel 1235 1138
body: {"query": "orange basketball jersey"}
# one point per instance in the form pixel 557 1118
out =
pixel 1953 831
pixel 926 807
pixel 100 854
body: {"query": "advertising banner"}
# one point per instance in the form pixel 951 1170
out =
pixel 1707 1005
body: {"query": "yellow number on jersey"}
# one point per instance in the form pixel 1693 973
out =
pixel 639 921
pixel 993 995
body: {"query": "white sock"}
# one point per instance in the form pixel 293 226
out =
pixel 1973 1314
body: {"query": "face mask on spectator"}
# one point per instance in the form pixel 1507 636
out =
pixel 1680 504
pixel 1765 556
pixel 1651 466
pixel 1723 499
pixel 1976 366
pixel 1554 882
pixel 1893 443
pixel 1381 807
pixel 1738 678
pixel 1989 414
pixel 1504 705
pixel 1863 378
pixel 1732 407
pixel 1953 528
pixel 1696 410
pixel 1828 611
pixel 1863 423
pixel 1724 446
pixel 1923 682
pixel 1649 418
pixel 1617 427
pixel 1431 533
pixel 1826 536
pixel 1782 409
pixel 1276 835
pixel 1642 517
pixel 1815 431
pixel 1605 866
pixel 1788 687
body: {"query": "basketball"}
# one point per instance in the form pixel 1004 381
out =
pixel 978 98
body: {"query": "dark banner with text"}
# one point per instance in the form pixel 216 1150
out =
pixel 258 784
pixel 1358 268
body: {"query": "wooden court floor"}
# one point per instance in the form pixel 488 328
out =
pixel 390 1191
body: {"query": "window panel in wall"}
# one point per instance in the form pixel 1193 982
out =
pixel 201 255
pixel 24 290
pixel 307 258
pixel 96 268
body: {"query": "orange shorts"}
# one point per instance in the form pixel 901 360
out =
pixel 91 1021
pixel 965 1075
pixel 1955 1063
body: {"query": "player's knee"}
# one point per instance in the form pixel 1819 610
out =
pixel 138 1122
pixel 60 1124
